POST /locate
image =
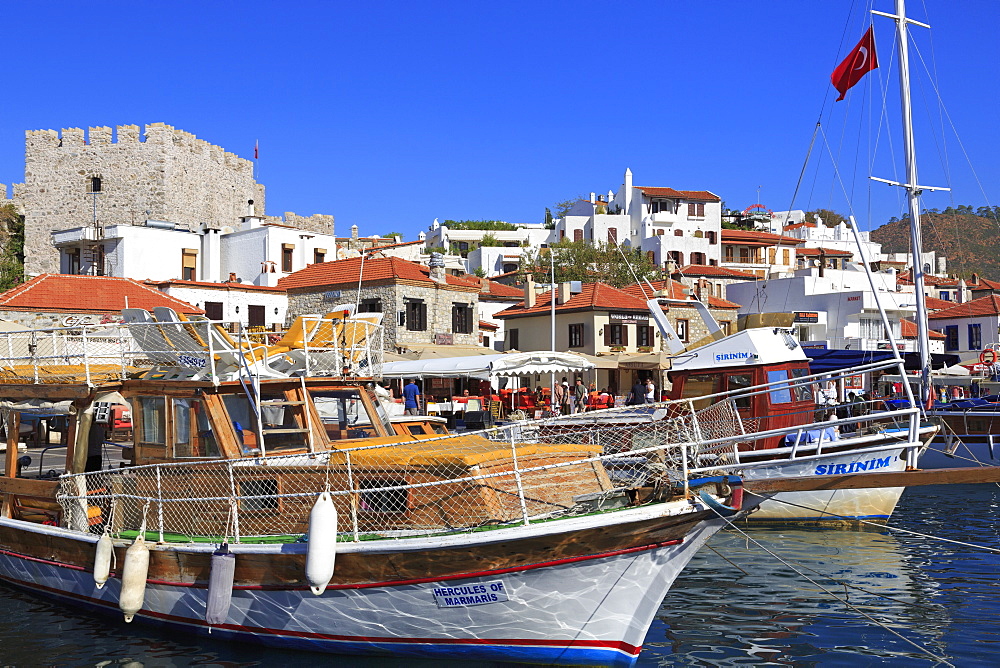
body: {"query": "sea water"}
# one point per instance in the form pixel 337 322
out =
pixel 844 598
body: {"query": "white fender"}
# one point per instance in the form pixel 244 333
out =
pixel 321 550
pixel 134 578
pixel 102 560
pixel 220 586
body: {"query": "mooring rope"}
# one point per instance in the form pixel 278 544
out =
pixel 834 596
pixel 985 548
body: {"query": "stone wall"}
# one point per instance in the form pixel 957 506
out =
pixel 394 297
pixel 318 222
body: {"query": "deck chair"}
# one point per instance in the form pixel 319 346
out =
pixel 150 338
pixel 318 340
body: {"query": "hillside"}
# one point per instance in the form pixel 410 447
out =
pixel 970 242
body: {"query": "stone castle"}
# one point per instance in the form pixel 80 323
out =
pixel 74 179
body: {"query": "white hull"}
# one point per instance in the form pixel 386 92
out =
pixel 829 505
pixel 594 609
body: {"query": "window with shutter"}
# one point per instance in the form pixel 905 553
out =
pixel 577 235
pixel 612 235
pixel 189 263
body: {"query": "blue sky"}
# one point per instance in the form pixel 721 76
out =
pixel 389 114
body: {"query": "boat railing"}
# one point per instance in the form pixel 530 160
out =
pixel 186 350
pixel 509 474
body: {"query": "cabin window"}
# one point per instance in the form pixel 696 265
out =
pixel 266 493
pixel 737 382
pixel 384 500
pixel 699 385
pixel 193 436
pixel 802 390
pixel 780 394
pixel 244 422
pixel 342 413
pixel 153 418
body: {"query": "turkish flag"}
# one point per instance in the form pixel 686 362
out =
pixel 859 62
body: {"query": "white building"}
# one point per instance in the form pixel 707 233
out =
pixel 816 234
pixel 834 308
pixel 251 305
pixel 968 328
pixel 678 226
pixel 492 259
pixel 253 251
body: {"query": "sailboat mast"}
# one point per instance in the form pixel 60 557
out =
pixel 913 198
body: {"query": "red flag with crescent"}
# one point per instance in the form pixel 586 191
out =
pixel 859 62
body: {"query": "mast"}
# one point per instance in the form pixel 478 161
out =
pixel 913 191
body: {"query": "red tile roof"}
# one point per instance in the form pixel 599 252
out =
pixel 382 269
pixel 674 290
pixel 670 193
pixel 908 329
pixel 497 290
pixel 754 237
pixel 988 305
pixel 595 296
pixel 985 284
pixel 87 294
pixel 721 272
pixel 222 285
pixel 904 278
pixel 935 304
pixel 816 252
pixel 488 325
pixel 795 226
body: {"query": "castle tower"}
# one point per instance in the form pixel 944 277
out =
pixel 74 179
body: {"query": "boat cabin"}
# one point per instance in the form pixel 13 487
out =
pixel 742 361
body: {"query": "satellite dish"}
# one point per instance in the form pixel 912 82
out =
pixel 341 253
pixel 353 253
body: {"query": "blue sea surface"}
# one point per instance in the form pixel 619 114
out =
pixel 735 604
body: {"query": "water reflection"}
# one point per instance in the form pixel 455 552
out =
pixel 945 597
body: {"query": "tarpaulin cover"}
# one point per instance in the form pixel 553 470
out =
pixel 488 366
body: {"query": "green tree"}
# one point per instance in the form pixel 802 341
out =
pixel 489 240
pixel 12 240
pixel 561 208
pixel 480 272
pixel 582 261
pixel 392 235
pixel 479 225
pixel 830 218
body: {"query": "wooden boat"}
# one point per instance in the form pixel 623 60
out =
pixel 291 511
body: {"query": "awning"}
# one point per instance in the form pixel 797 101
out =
pixel 828 361
pixel 422 351
pixel 488 366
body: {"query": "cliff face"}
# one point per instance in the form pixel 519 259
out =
pixel 970 242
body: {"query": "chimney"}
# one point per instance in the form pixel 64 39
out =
pixel 354 232
pixel 484 284
pixel 250 211
pixel 529 292
pixel 436 264
pixel 564 293
pixel 593 198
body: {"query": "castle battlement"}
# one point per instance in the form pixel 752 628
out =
pixel 154 134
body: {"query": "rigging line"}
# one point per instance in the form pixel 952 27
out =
pixel 836 597
pixel 731 562
pixel 631 270
pixel 844 583
pixel 985 548
pixel 802 173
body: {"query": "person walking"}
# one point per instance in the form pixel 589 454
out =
pixel 581 396
pixel 637 395
pixel 558 397
pixel 411 398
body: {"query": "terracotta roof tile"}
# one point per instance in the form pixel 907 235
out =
pixel 488 325
pixel 985 284
pixel 222 285
pixel 795 226
pixel 595 296
pixel 87 294
pixel 674 290
pixel 670 193
pixel 988 305
pixel 908 329
pixel 935 304
pixel 721 272
pixel 383 269
pixel 815 252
